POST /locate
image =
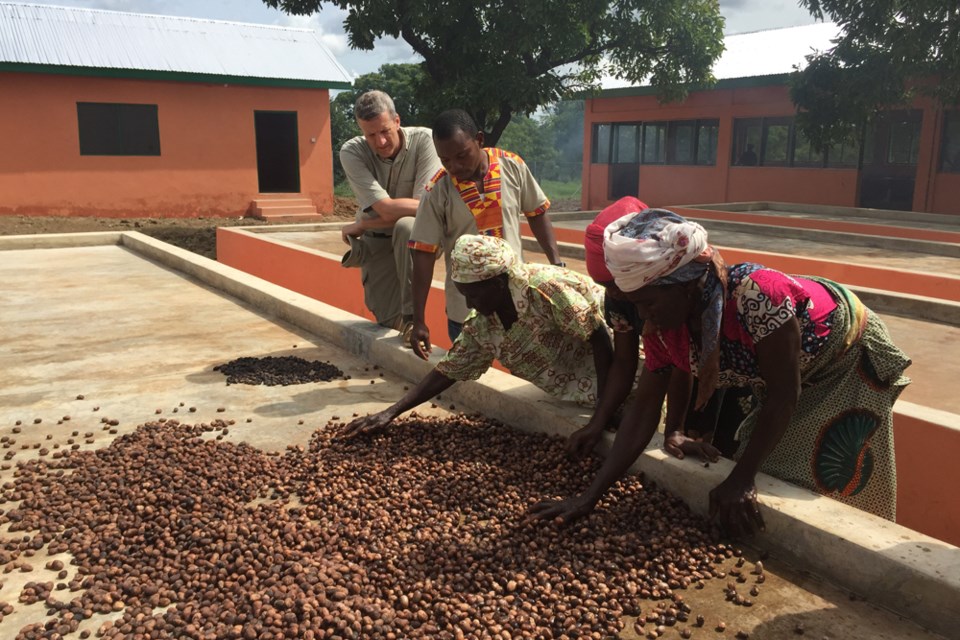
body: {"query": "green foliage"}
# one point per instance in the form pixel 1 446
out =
pixel 557 190
pixel 890 51
pixel 524 136
pixel 553 145
pixel 499 59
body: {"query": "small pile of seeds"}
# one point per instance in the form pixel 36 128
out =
pixel 277 370
pixel 417 532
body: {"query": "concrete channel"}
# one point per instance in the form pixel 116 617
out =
pixel 135 327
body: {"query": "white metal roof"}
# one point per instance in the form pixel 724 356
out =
pixel 95 39
pixel 764 53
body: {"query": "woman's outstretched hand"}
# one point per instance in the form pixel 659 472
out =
pixel 734 506
pixel 680 446
pixel 563 511
pixel 368 424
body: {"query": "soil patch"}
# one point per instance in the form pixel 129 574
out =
pixel 198 235
pixel 194 234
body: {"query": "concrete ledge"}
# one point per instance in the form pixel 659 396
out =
pixel 831 210
pixel 59 240
pixel 890 565
pixel 928 247
pixel 910 306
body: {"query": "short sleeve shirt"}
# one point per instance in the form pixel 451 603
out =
pixel 549 344
pixel 451 209
pixel 406 176
pixel 622 316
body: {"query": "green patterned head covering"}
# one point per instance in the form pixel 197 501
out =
pixel 476 258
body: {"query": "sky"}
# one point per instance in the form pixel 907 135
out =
pixel 741 16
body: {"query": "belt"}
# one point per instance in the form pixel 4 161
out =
pixel 377 234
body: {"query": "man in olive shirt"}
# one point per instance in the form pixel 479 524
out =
pixel 388 168
pixel 481 190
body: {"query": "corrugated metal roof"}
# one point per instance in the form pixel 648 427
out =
pixel 32 34
pixel 764 53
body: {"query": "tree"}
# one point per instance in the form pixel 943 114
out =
pixel 531 141
pixel 403 82
pixel 497 59
pixel 889 52
pixel 565 124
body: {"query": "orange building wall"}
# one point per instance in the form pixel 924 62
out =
pixel 661 185
pixel 207 166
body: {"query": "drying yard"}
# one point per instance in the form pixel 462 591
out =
pixel 145 497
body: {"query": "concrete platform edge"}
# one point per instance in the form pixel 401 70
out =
pixel 59 240
pixel 889 565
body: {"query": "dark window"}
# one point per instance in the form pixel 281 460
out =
pixel 626 141
pixel 777 142
pixel 654 143
pixel 904 147
pixel 601 143
pixel 775 145
pixel 108 129
pixel 950 147
pixel 843 155
pixel 692 142
pixel 707 132
pixel 746 141
pixel 680 142
pixel 804 154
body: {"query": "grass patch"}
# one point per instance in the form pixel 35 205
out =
pixel 343 190
pixel 557 190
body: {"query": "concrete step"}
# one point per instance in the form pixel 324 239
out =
pixel 282 202
pixel 292 218
pixel 279 196
pixel 273 210
pixel 281 207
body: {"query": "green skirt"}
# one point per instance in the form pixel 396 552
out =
pixel 839 442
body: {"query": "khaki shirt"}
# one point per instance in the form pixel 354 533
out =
pixel 443 216
pixel 373 179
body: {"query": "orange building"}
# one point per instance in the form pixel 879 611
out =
pixel 119 114
pixel 737 142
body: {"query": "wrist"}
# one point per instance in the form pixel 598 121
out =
pixel 742 474
pixel 593 428
pixel 592 496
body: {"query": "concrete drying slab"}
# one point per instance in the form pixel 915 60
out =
pixel 148 340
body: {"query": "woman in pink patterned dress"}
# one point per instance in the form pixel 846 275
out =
pixel 821 365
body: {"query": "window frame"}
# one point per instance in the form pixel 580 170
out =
pixel 946 165
pixel 615 142
pixel 137 129
pixel 595 143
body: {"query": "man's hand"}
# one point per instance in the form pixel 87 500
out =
pixel 368 424
pixel 680 446
pixel 583 440
pixel 420 340
pixel 561 511
pixel 733 505
pixel 353 230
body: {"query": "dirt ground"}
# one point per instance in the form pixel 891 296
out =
pixel 194 234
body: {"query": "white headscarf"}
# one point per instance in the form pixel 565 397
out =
pixel 641 248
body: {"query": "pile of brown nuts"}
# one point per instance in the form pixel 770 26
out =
pixel 417 532
pixel 277 370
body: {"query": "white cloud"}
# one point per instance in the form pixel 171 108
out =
pixel 743 16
